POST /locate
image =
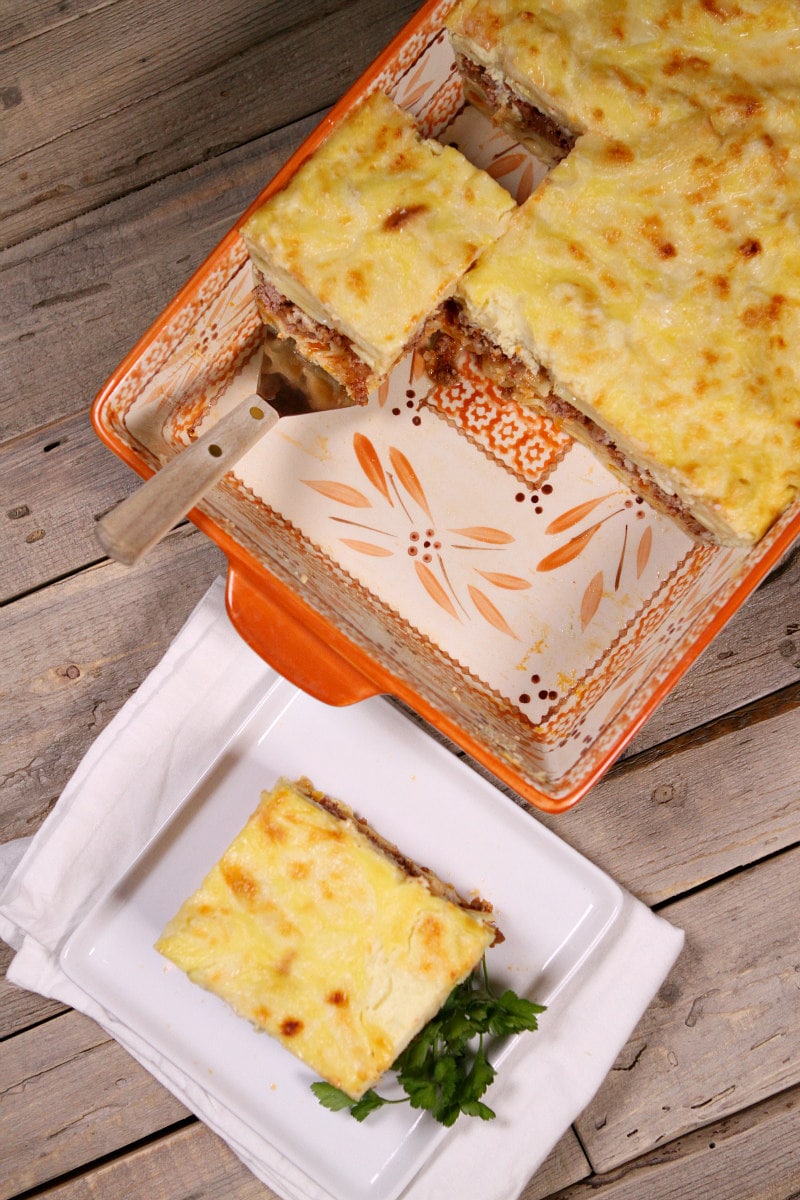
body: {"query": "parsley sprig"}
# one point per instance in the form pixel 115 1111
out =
pixel 441 1069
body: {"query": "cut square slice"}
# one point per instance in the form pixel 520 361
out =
pixel 647 297
pixel 550 70
pixel 324 935
pixel 367 239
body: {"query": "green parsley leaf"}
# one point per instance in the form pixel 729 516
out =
pixel 475 1108
pixel 367 1104
pixel 515 1014
pixel 332 1097
pixel 479 1077
pixel 440 1069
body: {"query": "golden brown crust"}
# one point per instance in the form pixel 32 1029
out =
pixel 311 927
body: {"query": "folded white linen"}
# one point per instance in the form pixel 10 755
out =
pixel 158 746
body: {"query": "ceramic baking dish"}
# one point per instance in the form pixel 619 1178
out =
pixel 438 545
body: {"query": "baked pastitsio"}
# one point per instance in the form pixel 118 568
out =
pixel 367 239
pixel 550 70
pixel 324 935
pixel 647 296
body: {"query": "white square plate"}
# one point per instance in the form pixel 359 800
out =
pixel 552 905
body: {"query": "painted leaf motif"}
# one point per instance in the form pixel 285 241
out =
pixel 573 515
pixel 643 552
pixel 414 94
pixel 383 392
pixel 591 599
pixel 621 563
pixel 505 164
pixel 525 185
pixel 415 76
pixel 568 551
pixel 489 612
pixel 417 367
pixel 434 588
pixel 342 493
pixel 408 477
pixel 485 533
pixel 370 463
pixel 511 582
pixel 370 548
pixel 413 89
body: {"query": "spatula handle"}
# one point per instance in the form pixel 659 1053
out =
pixel 145 517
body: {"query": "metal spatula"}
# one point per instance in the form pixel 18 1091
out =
pixel 288 385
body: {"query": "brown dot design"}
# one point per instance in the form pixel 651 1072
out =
pixel 542 693
pixel 423 546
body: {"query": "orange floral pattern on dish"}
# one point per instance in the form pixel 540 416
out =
pixel 439 557
pixel 597 586
pixel 524 442
pixel 622 661
pixel 509 161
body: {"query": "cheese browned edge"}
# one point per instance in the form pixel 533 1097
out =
pixel 453 333
pixel 599 81
pixel 367 239
pixel 652 290
pixel 551 70
pixel 324 934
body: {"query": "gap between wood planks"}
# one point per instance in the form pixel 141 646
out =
pixel 44 1189
pixel 774 704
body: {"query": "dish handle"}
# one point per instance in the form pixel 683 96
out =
pixel 281 628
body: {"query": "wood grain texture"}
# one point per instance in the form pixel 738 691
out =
pixel 684 813
pixel 84 1097
pixel 55 483
pixel 225 73
pixel 750 1155
pixel 756 652
pixel 82 647
pixel 724 1031
pixel 190 1161
pixel 190 1164
pixel 19 1008
pixel 20 19
pixel 564 1165
pixel 76 299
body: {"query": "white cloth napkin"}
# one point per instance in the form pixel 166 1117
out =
pixel 157 747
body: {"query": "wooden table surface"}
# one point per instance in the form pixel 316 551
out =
pixel 132 134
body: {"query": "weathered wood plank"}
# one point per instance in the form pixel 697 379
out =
pixel 22 19
pixel 751 1155
pixel 19 1009
pixel 55 483
pixel 84 1097
pixel 194 1161
pixel 124 53
pixel 82 647
pixel 75 300
pixel 158 88
pixel 191 1160
pixel 762 642
pixel 678 816
pixel 564 1165
pixel 724 1032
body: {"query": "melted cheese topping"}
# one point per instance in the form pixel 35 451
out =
pixel 658 282
pixel 373 231
pixel 306 929
pixel 614 65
